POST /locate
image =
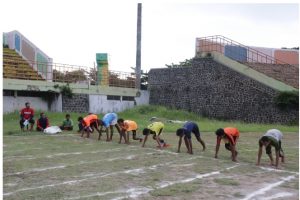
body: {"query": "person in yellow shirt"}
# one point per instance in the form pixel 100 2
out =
pixel 155 129
pixel 126 126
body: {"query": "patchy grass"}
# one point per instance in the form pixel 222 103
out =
pixel 66 166
pixel 226 181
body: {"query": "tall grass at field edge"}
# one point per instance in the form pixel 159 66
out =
pixel 143 114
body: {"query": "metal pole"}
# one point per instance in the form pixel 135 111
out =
pixel 138 47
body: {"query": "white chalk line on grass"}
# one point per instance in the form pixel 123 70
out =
pixel 133 193
pixel 138 191
pixel 94 176
pixel 129 157
pixel 267 188
pixel 10 184
pixel 14 158
pixel 37 170
pixel 278 195
pixel 277 170
pixel 21 150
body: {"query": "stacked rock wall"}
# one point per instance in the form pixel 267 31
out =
pixel 216 91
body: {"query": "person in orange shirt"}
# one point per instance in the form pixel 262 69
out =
pixel 127 126
pixel 88 123
pixel 230 136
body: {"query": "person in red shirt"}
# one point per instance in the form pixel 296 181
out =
pixel 230 136
pixel 42 123
pixel 26 116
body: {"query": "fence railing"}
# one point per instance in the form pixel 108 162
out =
pixel 18 68
pixel 234 50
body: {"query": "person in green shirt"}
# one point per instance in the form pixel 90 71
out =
pixel 67 123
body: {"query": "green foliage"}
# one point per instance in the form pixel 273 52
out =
pixel 208 55
pixel 65 90
pixel 287 100
pixel 186 63
pixel 144 81
pixel 5 46
pixel 143 114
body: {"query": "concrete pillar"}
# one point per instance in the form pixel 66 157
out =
pixel 138 47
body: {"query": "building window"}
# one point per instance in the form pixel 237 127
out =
pixel 127 98
pixel 8 93
pixel 113 97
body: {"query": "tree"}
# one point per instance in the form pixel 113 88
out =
pixel 144 81
pixel 186 63
pixel 93 76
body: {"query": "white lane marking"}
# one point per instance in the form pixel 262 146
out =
pixel 37 170
pixel 138 191
pixel 14 158
pixel 94 176
pixel 277 170
pixel 21 150
pixel 132 193
pixel 199 176
pixel 130 157
pixel 10 184
pixel 267 188
pixel 279 195
pixel 184 165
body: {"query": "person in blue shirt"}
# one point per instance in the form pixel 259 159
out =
pixel 109 121
pixel 186 131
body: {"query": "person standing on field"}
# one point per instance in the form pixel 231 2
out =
pixel 272 138
pixel 230 136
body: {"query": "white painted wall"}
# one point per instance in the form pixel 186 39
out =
pixel 144 98
pixel 56 105
pixel 100 104
pixel 11 104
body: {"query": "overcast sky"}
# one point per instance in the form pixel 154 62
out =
pixel 72 32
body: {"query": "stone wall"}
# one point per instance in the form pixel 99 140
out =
pixel 216 91
pixel 288 74
pixel 78 103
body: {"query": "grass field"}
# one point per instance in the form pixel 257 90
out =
pixel 66 166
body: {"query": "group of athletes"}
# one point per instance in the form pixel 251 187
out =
pixel 230 135
pixel 91 122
